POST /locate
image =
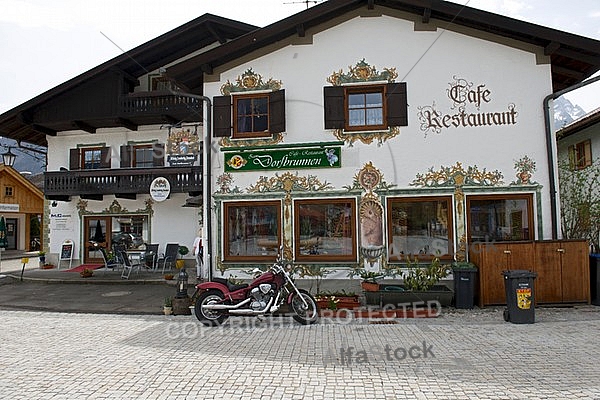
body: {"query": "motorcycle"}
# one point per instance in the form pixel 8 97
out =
pixel 219 299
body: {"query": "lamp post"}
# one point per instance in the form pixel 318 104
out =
pixel 9 158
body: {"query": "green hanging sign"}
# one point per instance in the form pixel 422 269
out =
pixel 297 158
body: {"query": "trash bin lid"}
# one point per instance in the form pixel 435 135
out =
pixel 519 273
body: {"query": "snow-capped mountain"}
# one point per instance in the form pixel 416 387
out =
pixel 565 112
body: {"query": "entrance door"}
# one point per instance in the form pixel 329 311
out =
pixel 11 233
pixel 96 228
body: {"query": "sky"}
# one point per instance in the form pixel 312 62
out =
pixel 45 43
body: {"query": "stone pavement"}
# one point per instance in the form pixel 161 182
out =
pixel 460 355
pixel 112 344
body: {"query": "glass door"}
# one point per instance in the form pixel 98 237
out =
pixel 96 228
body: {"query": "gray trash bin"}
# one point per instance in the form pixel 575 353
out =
pixel 595 278
pixel 520 300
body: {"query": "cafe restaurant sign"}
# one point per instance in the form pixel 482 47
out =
pixel 297 158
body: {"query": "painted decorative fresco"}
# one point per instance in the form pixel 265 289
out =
pixel 248 81
pixel 456 175
pixel 524 167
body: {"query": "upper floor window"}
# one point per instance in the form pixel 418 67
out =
pixel 89 158
pixel 255 115
pixel 580 154
pixel 365 107
pixel 251 116
pixel 143 156
pixel 9 191
pixel 147 155
pixel 161 83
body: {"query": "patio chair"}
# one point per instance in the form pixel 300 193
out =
pixel 128 266
pixel 169 257
pixel 151 256
pixel 109 264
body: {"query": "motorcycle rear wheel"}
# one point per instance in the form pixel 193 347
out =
pixel 302 314
pixel 209 317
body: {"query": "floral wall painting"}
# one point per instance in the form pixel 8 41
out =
pixel 524 167
pixel 248 81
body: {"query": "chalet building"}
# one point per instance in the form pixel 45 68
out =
pixel 22 206
pixel 353 134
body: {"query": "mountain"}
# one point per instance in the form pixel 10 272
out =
pixel 565 112
pixel 27 160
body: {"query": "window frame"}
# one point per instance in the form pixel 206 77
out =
pixel 580 154
pixel 365 89
pixel 250 134
pixel 323 257
pixel 8 189
pixel 516 196
pixel 393 259
pixel 85 150
pixel 148 147
pixel 258 204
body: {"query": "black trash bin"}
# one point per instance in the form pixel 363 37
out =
pixel 595 278
pixel 520 301
pixel 464 285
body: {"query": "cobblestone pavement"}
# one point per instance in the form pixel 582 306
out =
pixel 465 354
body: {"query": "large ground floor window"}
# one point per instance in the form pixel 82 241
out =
pixel 500 217
pixel 420 226
pixel 252 230
pixel 325 230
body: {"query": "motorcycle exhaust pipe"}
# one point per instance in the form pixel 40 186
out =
pixel 248 311
pixel 226 306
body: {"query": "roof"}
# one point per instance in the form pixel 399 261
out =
pixel 22 180
pixel 149 56
pixel 590 119
pixel 573 57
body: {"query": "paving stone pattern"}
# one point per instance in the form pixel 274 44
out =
pixel 473 354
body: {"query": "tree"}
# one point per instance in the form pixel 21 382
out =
pixel 580 202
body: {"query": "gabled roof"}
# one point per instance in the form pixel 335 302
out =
pixel 590 119
pixel 165 49
pixel 573 57
pixel 35 191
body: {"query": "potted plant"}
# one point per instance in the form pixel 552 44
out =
pixel 340 299
pixel 86 273
pixel 168 306
pixel 420 284
pixel 183 251
pixel 169 277
pixel 369 280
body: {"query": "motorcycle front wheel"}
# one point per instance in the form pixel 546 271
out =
pixel 303 314
pixel 209 317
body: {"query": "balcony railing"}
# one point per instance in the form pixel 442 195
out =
pixel 125 181
pixel 161 103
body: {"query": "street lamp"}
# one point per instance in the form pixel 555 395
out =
pixel 9 158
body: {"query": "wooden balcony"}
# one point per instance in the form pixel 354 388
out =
pixel 123 182
pixel 153 107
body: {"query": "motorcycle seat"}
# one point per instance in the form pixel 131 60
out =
pixel 230 286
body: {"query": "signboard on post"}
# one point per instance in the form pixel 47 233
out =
pixel 66 253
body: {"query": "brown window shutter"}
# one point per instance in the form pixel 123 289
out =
pixel 396 104
pixel 277 111
pixel 126 156
pixel 222 116
pixel 158 154
pixel 333 100
pixel 74 162
pixel 105 157
pixel 572 157
pixel 587 153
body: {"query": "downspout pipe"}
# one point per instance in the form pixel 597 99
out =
pixel 206 177
pixel 550 149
